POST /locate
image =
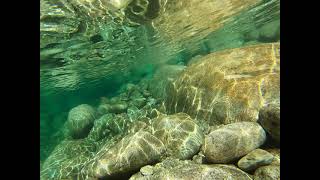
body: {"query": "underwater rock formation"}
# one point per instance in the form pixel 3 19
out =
pixel 108 126
pixel 228 86
pixel 271 172
pixel 181 136
pixel 80 121
pixel 129 154
pixel 67 160
pixel 162 76
pixel 255 159
pixel 232 141
pixel 269 118
pixel 181 170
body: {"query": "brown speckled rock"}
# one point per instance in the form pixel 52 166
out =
pixel 271 172
pixel 255 159
pixel 181 136
pixel 80 121
pixel 232 141
pixel 185 170
pixel 228 86
pixel 128 155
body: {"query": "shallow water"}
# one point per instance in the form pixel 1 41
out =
pixel 86 56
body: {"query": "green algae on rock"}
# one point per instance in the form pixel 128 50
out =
pixel 181 136
pixel 232 141
pixel 80 121
pixel 182 170
pixel 228 86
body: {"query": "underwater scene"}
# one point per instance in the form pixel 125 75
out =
pixel 160 89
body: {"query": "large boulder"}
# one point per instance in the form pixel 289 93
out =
pixel 232 141
pixel 228 86
pixel 181 136
pixel 128 155
pixel 255 159
pixel 67 160
pixel 181 170
pixel 80 121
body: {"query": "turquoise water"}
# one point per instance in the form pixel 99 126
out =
pixel 86 56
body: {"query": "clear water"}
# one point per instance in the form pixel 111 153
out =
pixel 106 51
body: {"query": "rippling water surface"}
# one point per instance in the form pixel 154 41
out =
pixel 90 48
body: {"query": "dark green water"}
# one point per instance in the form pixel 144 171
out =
pixel 82 66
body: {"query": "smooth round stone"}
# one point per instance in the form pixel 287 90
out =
pixel 80 121
pixel 255 159
pixel 232 141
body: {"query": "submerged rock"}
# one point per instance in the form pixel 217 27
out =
pixel 162 76
pixel 232 141
pixel 255 159
pixel 269 118
pixel 108 126
pixel 103 109
pixel 80 121
pixel 181 170
pixel 130 154
pixel 276 156
pixel 118 107
pixel 271 172
pixel 181 136
pixel 146 170
pixel 67 160
pixel 228 86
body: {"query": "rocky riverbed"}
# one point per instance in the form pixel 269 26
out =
pixel 219 118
